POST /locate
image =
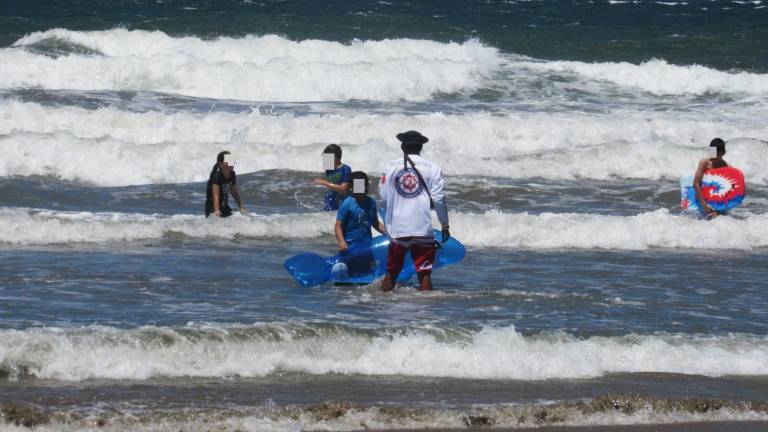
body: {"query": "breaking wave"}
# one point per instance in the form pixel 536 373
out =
pixel 156 147
pixel 651 230
pixel 490 353
pixel 249 68
pixel 660 78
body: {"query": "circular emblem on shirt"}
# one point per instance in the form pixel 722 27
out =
pixel 407 183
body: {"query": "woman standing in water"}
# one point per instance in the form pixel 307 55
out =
pixel 221 182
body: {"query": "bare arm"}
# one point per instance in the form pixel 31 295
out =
pixel 340 236
pixel 342 188
pixel 236 196
pixel 216 192
pixel 703 164
pixel 380 227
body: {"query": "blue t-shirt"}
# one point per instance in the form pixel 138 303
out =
pixel 342 174
pixel 356 220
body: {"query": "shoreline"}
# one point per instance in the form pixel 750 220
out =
pixel 725 426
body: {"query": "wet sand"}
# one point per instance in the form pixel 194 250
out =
pixel 677 427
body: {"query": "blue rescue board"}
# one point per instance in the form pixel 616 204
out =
pixel 363 265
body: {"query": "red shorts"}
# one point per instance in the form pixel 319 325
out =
pixel 422 252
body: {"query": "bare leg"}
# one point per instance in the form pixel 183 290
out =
pixel 388 284
pixel 425 282
pixel 394 267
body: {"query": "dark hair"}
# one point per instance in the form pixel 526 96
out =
pixel 411 148
pixel 333 148
pixel 719 143
pixel 219 159
pixel 220 156
pixel 360 175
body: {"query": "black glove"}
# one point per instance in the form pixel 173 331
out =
pixel 446 234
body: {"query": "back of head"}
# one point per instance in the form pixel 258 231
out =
pixel 411 142
pixel 719 144
pixel 335 149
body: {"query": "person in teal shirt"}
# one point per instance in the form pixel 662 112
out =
pixel 337 180
pixel 354 220
pixel 356 216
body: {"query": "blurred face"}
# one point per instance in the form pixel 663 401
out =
pixel 359 187
pixel 226 166
pixel 329 162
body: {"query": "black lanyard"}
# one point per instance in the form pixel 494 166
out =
pixel 407 160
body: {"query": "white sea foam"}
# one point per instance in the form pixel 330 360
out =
pixel 155 147
pixel 659 229
pixel 250 68
pixel 492 353
pixel 35 227
pixel 660 77
pixel 652 230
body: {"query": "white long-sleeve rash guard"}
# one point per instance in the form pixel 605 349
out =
pixel 406 201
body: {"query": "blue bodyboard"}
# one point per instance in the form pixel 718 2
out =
pixel 363 264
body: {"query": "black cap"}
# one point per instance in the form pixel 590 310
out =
pixel 412 137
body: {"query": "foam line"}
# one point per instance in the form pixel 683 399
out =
pixel 651 230
pixel 492 353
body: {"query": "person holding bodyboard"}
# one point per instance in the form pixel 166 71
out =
pixel 354 220
pixel 362 260
pixel 716 187
pixel 410 187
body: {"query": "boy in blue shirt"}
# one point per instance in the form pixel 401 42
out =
pixel 354 220
pixel 337 179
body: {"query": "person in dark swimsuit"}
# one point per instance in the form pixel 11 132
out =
pixel 221 183
pixel 718 146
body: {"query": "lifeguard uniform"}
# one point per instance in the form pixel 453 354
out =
pixel 408 219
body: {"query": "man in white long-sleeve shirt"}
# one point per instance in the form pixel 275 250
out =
pixel 410 186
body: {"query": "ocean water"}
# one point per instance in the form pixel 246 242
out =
pixel 585 298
